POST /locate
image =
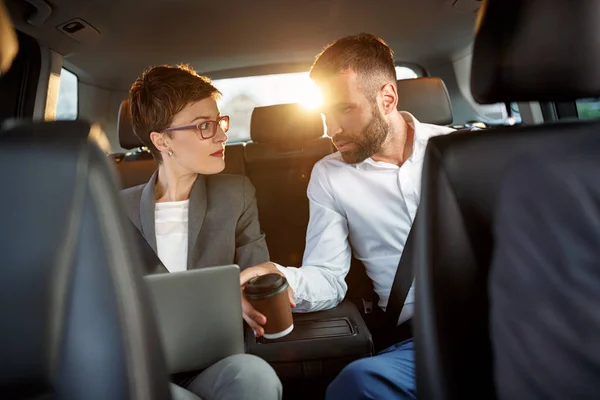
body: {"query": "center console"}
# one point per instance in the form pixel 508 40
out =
pixel 321 344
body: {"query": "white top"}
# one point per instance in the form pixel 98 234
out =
pixel 366 209
pixel 171 226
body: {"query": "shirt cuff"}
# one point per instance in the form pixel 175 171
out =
pixel 291 274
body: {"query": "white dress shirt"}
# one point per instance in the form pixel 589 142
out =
pixel 365 209
pixel 171 226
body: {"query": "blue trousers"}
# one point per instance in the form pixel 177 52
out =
pixel 388 375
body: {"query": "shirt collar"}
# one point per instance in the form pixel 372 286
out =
pixel 421 136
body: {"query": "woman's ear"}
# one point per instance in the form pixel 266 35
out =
pixel 160 141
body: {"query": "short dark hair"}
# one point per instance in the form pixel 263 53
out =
pixel 365 54
pixel 162 92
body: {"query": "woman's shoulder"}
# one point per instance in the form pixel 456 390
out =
pixel 226 185
pixel 132 194
pixel 229 182
pixel 131 199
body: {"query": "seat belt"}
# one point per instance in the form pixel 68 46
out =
pixel 151 262
pixel 402 280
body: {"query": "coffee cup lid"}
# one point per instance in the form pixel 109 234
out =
pixel 265 286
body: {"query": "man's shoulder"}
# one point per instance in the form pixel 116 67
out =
pixel 431 130
pixel 328 174
pixel 330 162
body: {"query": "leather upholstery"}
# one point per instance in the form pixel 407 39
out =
pixel 77 320
pixel 425 98
pixel 285 124
pixel 518 56
pixel 537 50
pixel 279 162
pixel 135 172
pixel 127 137
pixel 454 244
pixel 136 167
pixel 234 159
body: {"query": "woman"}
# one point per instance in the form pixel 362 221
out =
pixel 191 216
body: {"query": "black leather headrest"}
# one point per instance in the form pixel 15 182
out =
pixel 536 50
pixel 127 137
pixel 425 98
pixel 288 123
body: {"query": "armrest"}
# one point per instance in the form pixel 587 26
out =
pixel 336 334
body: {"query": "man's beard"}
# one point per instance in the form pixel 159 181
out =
pixel 369 141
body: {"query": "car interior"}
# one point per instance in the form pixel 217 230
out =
pixel 74 265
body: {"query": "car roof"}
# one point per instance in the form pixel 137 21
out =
pixel 233 37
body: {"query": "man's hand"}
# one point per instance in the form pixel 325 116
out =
pixel 255 319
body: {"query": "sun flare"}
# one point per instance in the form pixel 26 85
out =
pixel 309 95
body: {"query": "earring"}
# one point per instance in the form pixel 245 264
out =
pixel 170 153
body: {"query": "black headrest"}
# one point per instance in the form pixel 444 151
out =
pixel 127 137
pixel 76 319
pixel 425 98
pixel 462 180
pixel 287 123
pixel 536 50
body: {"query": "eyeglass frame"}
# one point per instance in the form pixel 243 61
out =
pixel 196 127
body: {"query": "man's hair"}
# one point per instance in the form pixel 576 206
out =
pixel 162 92
pixel 366 54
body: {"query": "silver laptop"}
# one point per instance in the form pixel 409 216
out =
pixel 199 314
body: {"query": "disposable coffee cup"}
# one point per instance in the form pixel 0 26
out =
pixel 268 295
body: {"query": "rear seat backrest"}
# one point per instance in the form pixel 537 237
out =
pixel 137 167
pixel 234 159
pixel 287 140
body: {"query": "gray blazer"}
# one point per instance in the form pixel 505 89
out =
pixel 223 220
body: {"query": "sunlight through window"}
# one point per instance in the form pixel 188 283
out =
pixel 242 95
pixel 309 95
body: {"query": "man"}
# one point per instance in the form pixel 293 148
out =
pixel 363 200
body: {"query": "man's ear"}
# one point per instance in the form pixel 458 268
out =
pixel 160 141
pixel 389 93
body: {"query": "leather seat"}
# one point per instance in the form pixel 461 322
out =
pixel 287 140
pixel 425 98
pixel 77 322
pixel 136 167
pixel 234 159
pixel 512 61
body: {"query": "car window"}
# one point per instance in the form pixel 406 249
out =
pixel 67 105
pixel 496 114
pixel 242 95
pixel 516 114
pixel 588 108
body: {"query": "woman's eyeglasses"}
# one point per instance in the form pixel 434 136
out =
pixel 207 129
